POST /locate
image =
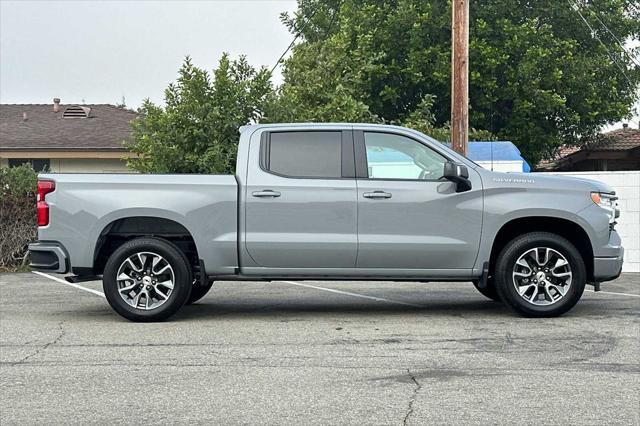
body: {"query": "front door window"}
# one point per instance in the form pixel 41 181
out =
pixel 392 156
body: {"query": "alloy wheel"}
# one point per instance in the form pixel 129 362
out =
pixel 145 280
pixel 542 276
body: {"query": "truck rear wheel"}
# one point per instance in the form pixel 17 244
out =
pixel 198 292
pixel 540 274
pixel 147 279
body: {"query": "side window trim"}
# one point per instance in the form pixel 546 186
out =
pixel 347 156
pixel 265 148
pixel 362 166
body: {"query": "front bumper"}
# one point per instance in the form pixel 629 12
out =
pixel 49 256
pixel 607 268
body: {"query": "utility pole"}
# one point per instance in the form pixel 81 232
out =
pixel 460 75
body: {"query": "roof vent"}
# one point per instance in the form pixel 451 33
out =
pixel 76 111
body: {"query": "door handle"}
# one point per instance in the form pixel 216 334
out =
pixel 376 195
pixel 267 193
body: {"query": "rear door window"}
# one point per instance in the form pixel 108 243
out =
pixel 305 154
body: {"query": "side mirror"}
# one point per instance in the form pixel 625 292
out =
pixel 459 174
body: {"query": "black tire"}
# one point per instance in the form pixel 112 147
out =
pixel 506 287
pixel 489 291
pixel 182 279
pixel 198 292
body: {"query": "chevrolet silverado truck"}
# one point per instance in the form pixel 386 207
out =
pixel 330 202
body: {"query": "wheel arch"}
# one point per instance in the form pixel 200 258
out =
pixel 566 228
pixel 124 229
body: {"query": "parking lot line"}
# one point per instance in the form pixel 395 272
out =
pixel 611 292
pixel 363 296
pixel 96 292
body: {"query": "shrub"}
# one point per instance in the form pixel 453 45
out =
pixel 17 215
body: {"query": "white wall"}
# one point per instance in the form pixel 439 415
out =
pixel 627 187
pixel 502 165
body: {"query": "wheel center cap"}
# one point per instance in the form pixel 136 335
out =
pixel 540 276
pixel 146 280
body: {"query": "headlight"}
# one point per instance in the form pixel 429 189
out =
pixel 608 202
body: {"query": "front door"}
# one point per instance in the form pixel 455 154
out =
pixel 409 217
pixel 301 206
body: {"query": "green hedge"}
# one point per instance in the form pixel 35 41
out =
pixel 17 215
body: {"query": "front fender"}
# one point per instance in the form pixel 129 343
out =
pixel 505 203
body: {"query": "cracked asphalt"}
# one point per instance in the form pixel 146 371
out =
pixel 280 353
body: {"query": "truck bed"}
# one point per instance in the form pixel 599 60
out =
pixel 84 205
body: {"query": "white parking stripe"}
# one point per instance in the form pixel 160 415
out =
pixel 347 293
pixel 611 292
pixel 377 299
pixel 60 280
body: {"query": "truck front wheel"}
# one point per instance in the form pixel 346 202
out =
pixel 540 274
pixel 147 279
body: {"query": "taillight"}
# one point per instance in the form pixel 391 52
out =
pixel 44 187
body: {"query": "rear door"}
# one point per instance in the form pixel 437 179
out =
pixel 301 205
pixel 409 217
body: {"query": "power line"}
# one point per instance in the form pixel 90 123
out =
pixel 298 34
pixel 633 59
pixel 595 34
pixel 284 53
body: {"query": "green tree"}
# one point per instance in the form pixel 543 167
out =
pixel 19 181
pixel 424 120
pixel 539 75
pixel 197 130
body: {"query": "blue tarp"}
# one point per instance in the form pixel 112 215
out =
pixel 496 151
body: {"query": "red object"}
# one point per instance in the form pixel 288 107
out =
pixel 44 187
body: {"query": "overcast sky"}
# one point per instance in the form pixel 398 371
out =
pixel 102 51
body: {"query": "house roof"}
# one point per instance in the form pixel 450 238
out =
pixel 617 140
pixel 105 128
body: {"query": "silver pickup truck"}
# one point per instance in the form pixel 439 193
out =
pixel 330 202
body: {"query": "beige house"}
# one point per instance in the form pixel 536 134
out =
pixel 65 138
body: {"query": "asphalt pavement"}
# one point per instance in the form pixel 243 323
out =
pixel 317 353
